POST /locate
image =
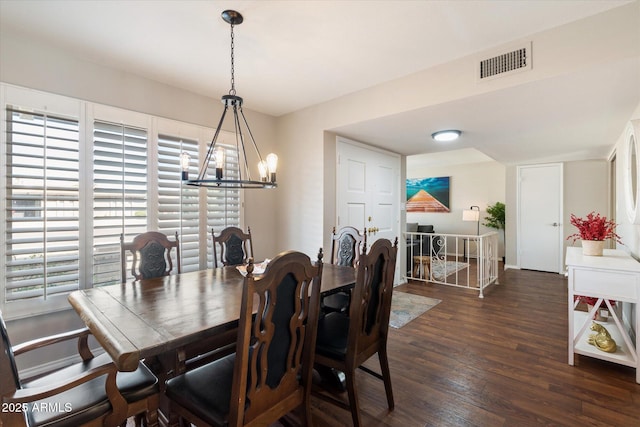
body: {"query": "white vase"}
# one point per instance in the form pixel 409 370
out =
pixel 592 247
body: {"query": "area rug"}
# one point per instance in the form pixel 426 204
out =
pixel 406 307
pixel 443 269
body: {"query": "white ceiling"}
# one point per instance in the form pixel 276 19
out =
pixel 293 54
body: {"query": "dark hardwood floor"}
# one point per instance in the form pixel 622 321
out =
pixel 497 361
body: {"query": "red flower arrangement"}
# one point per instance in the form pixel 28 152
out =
pixel 594 227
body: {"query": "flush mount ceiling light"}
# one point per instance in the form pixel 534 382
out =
pixel 215 158
pixel 446 135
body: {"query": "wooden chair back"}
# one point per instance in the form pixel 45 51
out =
pixel 345 342
pixel 371 300
pixel 236 247
pixel 274 353
pixel 346 245
pixel 151 255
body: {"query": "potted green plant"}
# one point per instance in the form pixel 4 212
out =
pixel 496 219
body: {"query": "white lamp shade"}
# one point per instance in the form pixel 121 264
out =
pixel 471 215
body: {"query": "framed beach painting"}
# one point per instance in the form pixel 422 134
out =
pixel 428 194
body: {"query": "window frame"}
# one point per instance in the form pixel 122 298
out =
pixel 86 113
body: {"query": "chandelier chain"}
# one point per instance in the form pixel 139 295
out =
pixel 232 91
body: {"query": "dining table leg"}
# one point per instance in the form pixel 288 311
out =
pixel 166 366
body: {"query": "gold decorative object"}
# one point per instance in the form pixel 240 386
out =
pixel 601 339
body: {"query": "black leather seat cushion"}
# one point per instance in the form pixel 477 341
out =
pixel 333 332
pixel 205 391
pixel 338 301
pixel 89 400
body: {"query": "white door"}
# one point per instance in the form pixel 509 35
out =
pixel 368 190
pixel 540 239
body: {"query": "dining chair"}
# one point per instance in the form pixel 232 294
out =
pixel 345 249
pixel 236 246
pixel 270 373
pixel 346 341
pixel 87 393
pixel 151 253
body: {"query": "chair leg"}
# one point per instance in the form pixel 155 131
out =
pixel 304 413
pixel 353 398
pixel 386 376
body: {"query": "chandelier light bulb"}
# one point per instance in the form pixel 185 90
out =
pixel 185 159
pixel 219 159
pixel 272 165
pixel 263 169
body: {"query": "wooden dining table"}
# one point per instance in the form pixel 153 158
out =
pixel 151 317
pixel 167 319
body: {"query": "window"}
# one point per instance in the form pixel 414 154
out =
pixel 179 204
pixel 42 220
pixel 224 203
pixel 75 176
pixel 181 207
pixel 119 194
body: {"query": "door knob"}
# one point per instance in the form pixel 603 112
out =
pixel 555 224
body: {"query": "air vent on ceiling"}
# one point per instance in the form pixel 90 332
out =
pixel 514 60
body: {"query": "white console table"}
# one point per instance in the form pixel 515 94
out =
pixel 614 276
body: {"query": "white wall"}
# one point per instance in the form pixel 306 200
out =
pixel 629 233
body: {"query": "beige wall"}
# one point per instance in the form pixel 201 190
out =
pixel 480 184
pixel 586 189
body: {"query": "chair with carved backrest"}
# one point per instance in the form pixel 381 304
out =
pixel 87 393
pixel 236 246
pixel 346 341
pixel 345 250
pixel 270 374
pixel 151 255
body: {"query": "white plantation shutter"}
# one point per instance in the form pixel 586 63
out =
pixel 192 211
pixel 223 205
pixel 178 205
pixel 119 194
pixel 74 175
pixel 42 218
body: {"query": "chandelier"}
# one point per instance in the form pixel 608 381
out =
pixel 212 172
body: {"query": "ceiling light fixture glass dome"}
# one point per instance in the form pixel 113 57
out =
pixel 446 135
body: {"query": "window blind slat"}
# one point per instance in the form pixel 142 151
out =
pixel 46 186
